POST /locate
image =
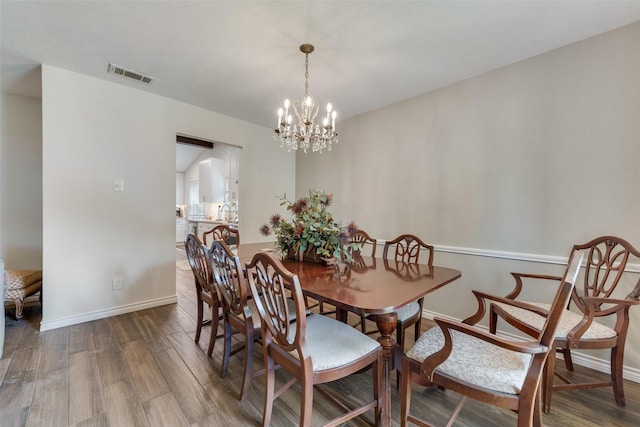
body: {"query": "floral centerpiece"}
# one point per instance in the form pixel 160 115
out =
pixel 312 233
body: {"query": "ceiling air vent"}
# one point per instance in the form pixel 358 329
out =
pixel 116 69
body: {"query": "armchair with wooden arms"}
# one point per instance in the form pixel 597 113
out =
pixel 606 260
pixel 481 366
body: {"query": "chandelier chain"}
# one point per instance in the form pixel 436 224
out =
pixel 306 75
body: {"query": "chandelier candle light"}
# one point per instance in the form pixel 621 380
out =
pixel 306 133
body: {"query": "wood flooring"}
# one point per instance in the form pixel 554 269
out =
pixel 144 369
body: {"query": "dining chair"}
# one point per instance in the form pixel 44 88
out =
pixel 200 261
pixel 313 350
pixel 368 246
pixel 230 235
pixel 239 313
pixel 606 260
pixel 482 366
pixel 407 249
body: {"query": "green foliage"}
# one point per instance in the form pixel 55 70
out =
pixel 312 228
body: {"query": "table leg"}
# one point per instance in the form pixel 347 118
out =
pixel 386 325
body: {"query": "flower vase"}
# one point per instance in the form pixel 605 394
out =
pixel 309 255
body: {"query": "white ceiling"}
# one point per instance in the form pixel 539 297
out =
pixel 186 155
pixel 241 58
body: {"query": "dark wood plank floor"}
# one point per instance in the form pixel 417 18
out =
pixel 143 369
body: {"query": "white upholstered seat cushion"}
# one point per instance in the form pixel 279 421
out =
pixel 406 311
pixel 568 321
pixel 332 344
pixel 475 361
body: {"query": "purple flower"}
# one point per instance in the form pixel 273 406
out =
pixel 265 230
pixel 275 219
pixel 299 206
pixel 329 199
pixel 352 228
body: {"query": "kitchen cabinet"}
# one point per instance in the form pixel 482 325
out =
pixel 181 230
pixel 212 176
pixel 234 175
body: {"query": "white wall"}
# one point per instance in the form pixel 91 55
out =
pixel 525 160
pixel 96 131
pixel 20 182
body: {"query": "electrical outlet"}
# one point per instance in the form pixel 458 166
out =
pixel 116 283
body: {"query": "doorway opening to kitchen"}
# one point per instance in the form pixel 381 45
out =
pixel 207 188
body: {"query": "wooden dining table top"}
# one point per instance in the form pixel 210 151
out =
pixel 372 285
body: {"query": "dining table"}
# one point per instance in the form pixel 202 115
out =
pixel 372 286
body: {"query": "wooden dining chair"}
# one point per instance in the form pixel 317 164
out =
pixel 368 244
pixel 367 247
pixel 606 261
pixel 230 235
pixel 408 248
pixel 481 366
pixel 313 350
pixel 200 261
pixel 239 313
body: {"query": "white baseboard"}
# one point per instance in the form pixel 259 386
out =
pixel 102 314
pixel 580 359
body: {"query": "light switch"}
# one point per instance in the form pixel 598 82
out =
pixel 118 185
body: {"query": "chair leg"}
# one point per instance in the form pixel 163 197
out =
pixel 566 355
pixel 306 406
pixel 248 365
pixel 537 409
pixel 269 388
pixel 199 304
pixel 226 354
pixel 530 415
pixel 378 372
pixel 547 381
pixel 418 328
pixel 214 327
pixel 617 357
pixel 405 394
pixel 19 306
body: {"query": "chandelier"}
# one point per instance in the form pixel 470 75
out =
pixel 306 133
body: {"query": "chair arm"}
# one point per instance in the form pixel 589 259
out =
pixel 432 362
pixel 481 297
pixel 519 276
pixel 593 310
